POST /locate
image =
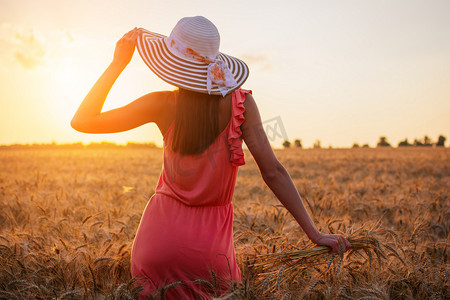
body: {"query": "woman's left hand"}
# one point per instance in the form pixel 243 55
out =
pixel 125 48
pixel 338 243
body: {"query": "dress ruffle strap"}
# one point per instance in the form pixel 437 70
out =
pixel 235 133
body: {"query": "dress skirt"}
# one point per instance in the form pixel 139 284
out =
pixel 185 246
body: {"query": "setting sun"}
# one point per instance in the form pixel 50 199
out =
pixel 68 74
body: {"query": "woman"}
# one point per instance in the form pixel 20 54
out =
pixel 186 229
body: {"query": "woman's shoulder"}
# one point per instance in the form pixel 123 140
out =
pixel 161 98
pixel 249 102
pixel 163 103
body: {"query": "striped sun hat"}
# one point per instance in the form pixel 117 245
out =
pixel 189 58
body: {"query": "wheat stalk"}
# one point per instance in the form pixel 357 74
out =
pixel 272 266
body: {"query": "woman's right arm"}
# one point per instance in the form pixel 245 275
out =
pixel 278 179
pixel 152 107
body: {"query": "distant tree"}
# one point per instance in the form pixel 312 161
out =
pixel 355 145
pixel 78 145
pixel 102 145
pixel 441 141
pixel 417 143
pixel 298 143
pixel 366 146
pixel 52 145
pixel 286 144
pixel 141 145
pixel 317 144
pixel 404 143
pixel 427 141
pixel 383 142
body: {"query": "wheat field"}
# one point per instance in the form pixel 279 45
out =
pixel 68 219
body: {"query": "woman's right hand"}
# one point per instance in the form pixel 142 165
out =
pixel 125 48
pixel 337 242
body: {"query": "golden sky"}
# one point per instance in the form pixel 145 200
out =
pixel 337 71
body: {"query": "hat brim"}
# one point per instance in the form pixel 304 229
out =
pixel 180 72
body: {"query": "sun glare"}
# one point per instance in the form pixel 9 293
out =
pixel 69 87
pixel 68 74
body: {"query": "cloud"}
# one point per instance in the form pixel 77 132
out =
pixel 20 47
pixel 30 52
pixel 27 60
pixel 29 48
pixel 259 61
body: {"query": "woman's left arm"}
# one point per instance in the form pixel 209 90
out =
pixel 89 117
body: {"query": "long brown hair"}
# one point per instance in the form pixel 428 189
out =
pixel 196 122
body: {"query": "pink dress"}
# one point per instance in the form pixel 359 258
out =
pixel 186 230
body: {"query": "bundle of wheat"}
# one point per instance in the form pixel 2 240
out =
pixel 274 268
